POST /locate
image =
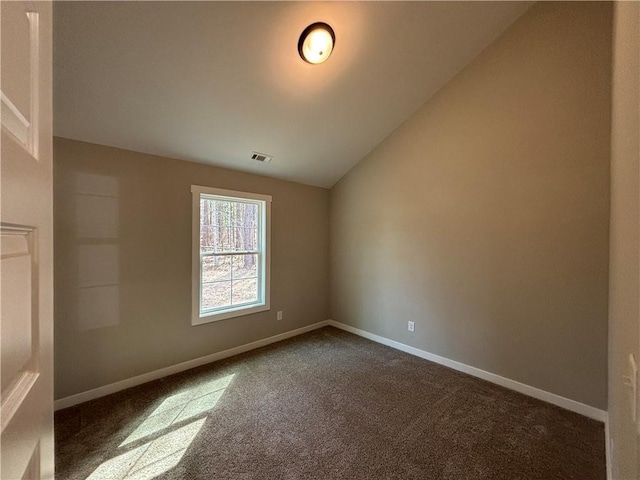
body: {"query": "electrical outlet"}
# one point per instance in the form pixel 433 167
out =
pixel 411 326
pixel 279 315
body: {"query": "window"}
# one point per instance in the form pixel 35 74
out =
pixel 230 254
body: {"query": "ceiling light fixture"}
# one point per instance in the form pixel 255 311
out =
pixel 316 43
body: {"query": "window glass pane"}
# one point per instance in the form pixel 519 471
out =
pixel 228 226
pixel 224 240
pixel 245 266
pixel 216 295
pixel 215 269
pixel 215 212
pixel 245 215
pixel 245 291
pixel 245 239
pixel 216 239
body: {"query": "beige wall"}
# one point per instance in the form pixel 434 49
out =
pixel 624 311
pixel 484 218
pixel 123 228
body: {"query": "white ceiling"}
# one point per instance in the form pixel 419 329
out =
pixel 211 81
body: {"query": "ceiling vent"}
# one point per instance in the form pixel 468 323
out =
pixel 261 157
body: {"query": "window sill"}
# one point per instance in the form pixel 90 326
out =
pixel 227 314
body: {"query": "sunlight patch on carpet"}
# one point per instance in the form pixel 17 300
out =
pixel 151 459
pixel 181 406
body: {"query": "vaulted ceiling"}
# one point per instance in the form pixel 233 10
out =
pixel 211 82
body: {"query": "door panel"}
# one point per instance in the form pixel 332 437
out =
pixel 16 315
pixel 18 320
pixel 26 241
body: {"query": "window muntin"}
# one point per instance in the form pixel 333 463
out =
pixel 231 269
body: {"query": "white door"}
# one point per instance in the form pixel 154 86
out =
pixel 26 242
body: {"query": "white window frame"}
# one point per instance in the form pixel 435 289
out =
pixel 199 317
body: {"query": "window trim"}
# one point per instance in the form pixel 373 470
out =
pixel 198 318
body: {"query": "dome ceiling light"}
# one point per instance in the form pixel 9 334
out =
pixel 316 43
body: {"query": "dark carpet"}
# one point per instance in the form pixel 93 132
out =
pixel 325 405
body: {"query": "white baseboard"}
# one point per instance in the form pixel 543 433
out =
pixel 181 367
pixel 566 403
pixel 607 445
pixel 552 398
